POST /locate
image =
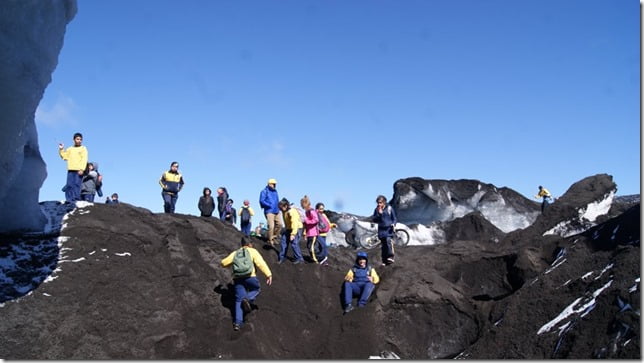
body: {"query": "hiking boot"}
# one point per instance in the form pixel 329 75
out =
pixel 298 262
pixel 323 261
pixel 390 260
pixel 246 306
pixel 348 308
pixel 279 262
pixel 236 327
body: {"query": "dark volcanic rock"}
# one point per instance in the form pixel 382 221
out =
pixel 130 284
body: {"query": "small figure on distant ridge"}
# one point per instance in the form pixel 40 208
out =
pixel 76 157
pixel 172 182
pixel 113 200
pixel 545 194
pixel 206 203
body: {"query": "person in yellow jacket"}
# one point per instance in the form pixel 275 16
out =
pixel 545 194
pixel 172 182
pixel 245 278
pixel 76 157
pixel 360 281
pixel 292 232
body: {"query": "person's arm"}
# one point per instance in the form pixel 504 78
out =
pixel 180 184
pixel 162 181
pixel 228 260
pixel 374 276
pixel 64 154
pixel 259 262
pixel 349 276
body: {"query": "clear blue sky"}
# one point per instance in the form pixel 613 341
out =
pixel 339 99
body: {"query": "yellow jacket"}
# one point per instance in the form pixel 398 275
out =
pixel 76 157
pixel 258 261
pixel 543 193
pixel 292 221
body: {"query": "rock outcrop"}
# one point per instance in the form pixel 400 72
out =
pixel 31 37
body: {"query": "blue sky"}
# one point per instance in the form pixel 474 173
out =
pixel 339 99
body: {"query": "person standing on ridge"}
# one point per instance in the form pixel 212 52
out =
pixel 230 214
pixel 222 199
pixel 311 231
pixel 385 216
pixel 269 200
pixel 360 281
pixel 244 262
pixel 90 182
pixel 206 203
pixel 292 232
pixel 545 194
pixel 172 182
pixel 245 215
pixel 114 199
pixel 319 207
pixel 76 157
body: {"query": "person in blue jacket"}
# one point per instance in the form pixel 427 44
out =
pixel 360 281
pixel 269 200
pixel 385 216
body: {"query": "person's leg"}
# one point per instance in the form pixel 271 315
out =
pixel 173 202
pixel 77 181
pixel 69 194
pixel 240 294
pixel 283 246
pixel 323 251
pixel 166 202
pixel 90 198
pixel 252 288
pixel 349 290
pixel 277 226
pixel 297 253
pixel 310 246
pixel 270 226
pixel 367 289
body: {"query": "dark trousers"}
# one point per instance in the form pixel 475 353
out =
pixel 169 201
pixel 73 186
pixel 386 248
pixel 245 228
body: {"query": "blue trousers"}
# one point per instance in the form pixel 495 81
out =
pixel 245 228
pixel 169 201
pixel 88 197
pixel 362 290
pixel 295 245
pixel 245 288
pixel 73 186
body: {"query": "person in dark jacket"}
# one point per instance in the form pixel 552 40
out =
pixel 113 200
pixel 222 199
pixel 385 216
pixel 269 200
pixel 359 282
pixel 89 183
pixel 230 213
pixel 172 182
pixel 206 203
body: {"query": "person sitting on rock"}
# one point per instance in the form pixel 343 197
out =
pixel 360 281
pixel 244 262
pixel 545 194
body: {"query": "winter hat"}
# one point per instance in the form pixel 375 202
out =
pixel 361 256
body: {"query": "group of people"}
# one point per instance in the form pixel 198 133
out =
pixel 308 223
pixel 84 181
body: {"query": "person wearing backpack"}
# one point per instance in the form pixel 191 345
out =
pixel 245 214
pixel 385 216
pixel 244 262
pixel 324 226
pixel 311 222
pixel 359 282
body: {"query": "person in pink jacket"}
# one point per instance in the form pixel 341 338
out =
pixel 311 232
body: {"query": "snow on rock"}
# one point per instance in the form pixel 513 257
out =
pixel 31 38
pixel 585 220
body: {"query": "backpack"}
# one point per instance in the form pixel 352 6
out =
pixel 242 263
pixel 245 215
pixel 323 225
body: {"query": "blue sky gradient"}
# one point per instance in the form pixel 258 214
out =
pixel 339 99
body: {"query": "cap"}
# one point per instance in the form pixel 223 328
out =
pixel 361 256
pixel 272 181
